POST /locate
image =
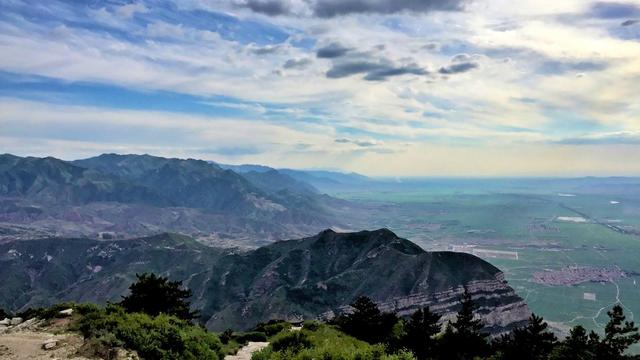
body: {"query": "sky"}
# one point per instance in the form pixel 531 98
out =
pixel 381 87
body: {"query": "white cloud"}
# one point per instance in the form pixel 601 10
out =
pixel 128 10
pixel 161 29
pixel 505 101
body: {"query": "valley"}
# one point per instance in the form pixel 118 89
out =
pixel 566 246
pixel 294 280
pixel 521 226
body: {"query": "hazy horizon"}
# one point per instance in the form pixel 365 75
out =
pixel 372 176
pixel 458 88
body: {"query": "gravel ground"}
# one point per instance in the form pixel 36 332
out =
pixel 28 345
pixel 246 352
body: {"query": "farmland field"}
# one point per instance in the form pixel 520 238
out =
pixel 526 226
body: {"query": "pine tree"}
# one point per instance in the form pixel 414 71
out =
pixel 366 322
pixel 619 335
pixel 531 342
pixel 463 338
pixel 420 331
pixel 154 295
pixel 465 322
pixel 575 347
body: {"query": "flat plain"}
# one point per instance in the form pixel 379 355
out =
pixel 570 247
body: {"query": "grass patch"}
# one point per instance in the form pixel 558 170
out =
pixel 322 341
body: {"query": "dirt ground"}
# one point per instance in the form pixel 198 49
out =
pixel 28 345
pixel 247 350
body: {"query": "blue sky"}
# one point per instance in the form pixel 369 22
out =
pixel 438 87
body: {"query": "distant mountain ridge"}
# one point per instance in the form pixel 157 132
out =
pixel 188 183
pixel 53 180
pixel 99 194
pixel 313 277
pixel 323 180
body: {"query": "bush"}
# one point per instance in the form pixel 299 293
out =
pixel 46 313
pixel 272 327
pixel 324 343
pixel 4 314
pixel 292 342
pixel 250 336
pixel 311 325
pixel 156 295
pixel 226 336
pixel 367 322
pixel 160 337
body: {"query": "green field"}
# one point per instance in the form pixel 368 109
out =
pixel 522 216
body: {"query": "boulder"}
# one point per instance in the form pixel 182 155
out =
pixel 27 325
pixel 15 321
pixel 67 312
pixel 5 322
pixel 49 344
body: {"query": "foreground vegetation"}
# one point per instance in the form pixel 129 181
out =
pixel 463 338
pixel 154 320
pixel 323 341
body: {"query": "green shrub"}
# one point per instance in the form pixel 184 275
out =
pixel 46 313
pixel 293 341
pixel 4 314
pixel 250 336
pixel 272 327
pixel 311 325
pixel 226 336
pixel 159 337
pixel 325 342
pixel 154 295
pixel 265 354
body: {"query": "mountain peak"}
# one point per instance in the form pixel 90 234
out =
pixel 364 241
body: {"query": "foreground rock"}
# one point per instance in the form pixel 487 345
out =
pixel 36 339
pixel 37 345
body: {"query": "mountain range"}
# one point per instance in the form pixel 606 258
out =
pixel 138 195
pixel 312 277
pixel 324 180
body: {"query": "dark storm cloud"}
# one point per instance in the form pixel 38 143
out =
pixel 333 8
pixel 374 71
pixel 332 50
pixel 351 68
pixel 458 68
pixel 614 10
pixel 385 72
pixel 460 63
pixel 267 7
pixel 297 63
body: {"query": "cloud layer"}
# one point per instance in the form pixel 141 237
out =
pixel 333 8
pixel 328 83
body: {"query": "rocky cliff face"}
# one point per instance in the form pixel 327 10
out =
pixel 319 276
pixel 314 277
pixel 498 306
